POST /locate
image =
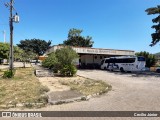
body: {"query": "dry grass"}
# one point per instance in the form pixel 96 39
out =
pixel 86 86
pixel 23 88
pixel 1 73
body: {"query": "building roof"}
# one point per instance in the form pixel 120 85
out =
pixel 88 50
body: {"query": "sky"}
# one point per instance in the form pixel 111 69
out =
pixel 112 24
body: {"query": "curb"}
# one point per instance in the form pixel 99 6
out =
pixel 78 99
pixel 58 102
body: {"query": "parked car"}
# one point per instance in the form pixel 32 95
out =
pixel 158 69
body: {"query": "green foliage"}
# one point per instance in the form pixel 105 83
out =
pixel 150 58
pixel 35 45
pixel 17 53
pixel 75 39
pixel 4 50
pixel 66 55
pixel 156 35
pixel 62 60
pixel 8 74
pixel 68 70
pixel 22 55
pixel 51 61
pixel 29 55
pixel 65 58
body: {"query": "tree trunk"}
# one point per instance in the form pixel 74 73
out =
pixel 24 65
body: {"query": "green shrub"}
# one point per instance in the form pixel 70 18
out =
pixel 62 61
pixel 66 55
pixel 57 67
pixel 50 61
pixel 8 74
pixel 68 70
pixel 73 70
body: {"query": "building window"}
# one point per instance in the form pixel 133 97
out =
pixel 100 57
pixel 95 57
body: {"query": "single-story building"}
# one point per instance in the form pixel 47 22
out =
pixel 91 57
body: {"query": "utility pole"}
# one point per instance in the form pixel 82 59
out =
pixel 4 35
pixel 11 36
pixel 12 19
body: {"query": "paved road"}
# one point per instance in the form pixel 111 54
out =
pixel 130 92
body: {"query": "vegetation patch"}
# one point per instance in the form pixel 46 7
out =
pixel 23 88
pixel 86 86
pixel 62 61
pixel 9 74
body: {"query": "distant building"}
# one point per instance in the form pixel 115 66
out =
pixel 91 57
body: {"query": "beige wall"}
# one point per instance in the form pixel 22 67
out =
pixel 92 58
pixel 94 51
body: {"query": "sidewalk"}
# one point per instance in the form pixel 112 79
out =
pixel 58 93
pixel 15 64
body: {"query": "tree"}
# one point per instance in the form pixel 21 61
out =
pixel 50 61
pixel 75 39
pixel 4 50
pixel 156 35
pixel 37 46
pixel 25 56
pixel 66 57
pixel 150 58
pixel 62 60
pixel 17 53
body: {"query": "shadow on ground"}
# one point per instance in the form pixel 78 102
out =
pixel 138 74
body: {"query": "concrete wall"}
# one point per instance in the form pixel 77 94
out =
pixel 92 58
